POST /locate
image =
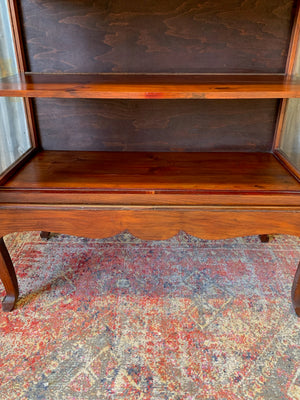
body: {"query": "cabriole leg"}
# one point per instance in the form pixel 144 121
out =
pixel 296 291
pixel 8 278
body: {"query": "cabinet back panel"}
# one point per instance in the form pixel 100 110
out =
pixel 156 125
pixel 157 36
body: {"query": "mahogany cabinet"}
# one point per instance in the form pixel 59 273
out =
pixel 154 117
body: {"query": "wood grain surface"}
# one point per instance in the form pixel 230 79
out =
pixel 156 125
pixel 157 36
pixel 131 86
pixel 150 224
pixel 155 172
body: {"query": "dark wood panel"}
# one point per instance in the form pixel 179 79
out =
pixel 156 125
pixel 151 86
pixel 157 36
pixel 155 173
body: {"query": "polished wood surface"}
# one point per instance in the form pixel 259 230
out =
pixel 150 222
pixel 131 86
pixel 150 172
pixel 134 198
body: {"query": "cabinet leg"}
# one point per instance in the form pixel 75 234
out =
pixel 8 278
pixel 296 292
pixel 266 238
pixel 45 235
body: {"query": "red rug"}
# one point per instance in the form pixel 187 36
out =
pixel 124 319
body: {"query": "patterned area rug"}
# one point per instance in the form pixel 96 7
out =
pixel 125 319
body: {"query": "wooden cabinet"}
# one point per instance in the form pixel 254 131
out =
pixel 154 117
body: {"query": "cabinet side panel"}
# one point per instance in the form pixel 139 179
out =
pixel 157 36
pixel 156 125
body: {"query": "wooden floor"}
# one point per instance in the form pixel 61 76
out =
pixel 162 172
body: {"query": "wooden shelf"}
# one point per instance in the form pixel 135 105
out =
pixel 157 86
pixel 152 173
